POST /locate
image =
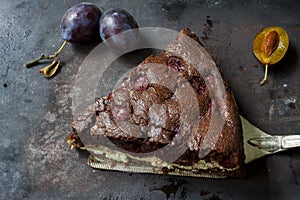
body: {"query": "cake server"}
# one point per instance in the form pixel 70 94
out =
pixel 258 143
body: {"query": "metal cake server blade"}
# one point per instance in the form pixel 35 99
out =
pixel 258 143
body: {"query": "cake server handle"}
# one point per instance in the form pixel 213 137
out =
pixel 274 144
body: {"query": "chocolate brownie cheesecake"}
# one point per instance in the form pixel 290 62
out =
pixel 171 114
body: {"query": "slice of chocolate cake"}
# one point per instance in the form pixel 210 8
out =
pixel 171 114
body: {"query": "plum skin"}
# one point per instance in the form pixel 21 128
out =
pixel 80 23
pixel 115 21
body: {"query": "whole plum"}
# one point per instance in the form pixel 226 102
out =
pixel 80 23
pixel 119 30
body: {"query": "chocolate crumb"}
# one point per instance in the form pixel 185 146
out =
pixel 241 68
pixel 165 170
pixel 5 84
pixel 209 23
pixel 204 192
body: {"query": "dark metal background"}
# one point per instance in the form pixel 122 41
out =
pixel 35 160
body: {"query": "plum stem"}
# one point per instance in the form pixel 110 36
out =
pixel 48 57
pixel 266 75
pixel 51 69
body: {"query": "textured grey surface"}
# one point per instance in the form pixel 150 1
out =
pixel 35 160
